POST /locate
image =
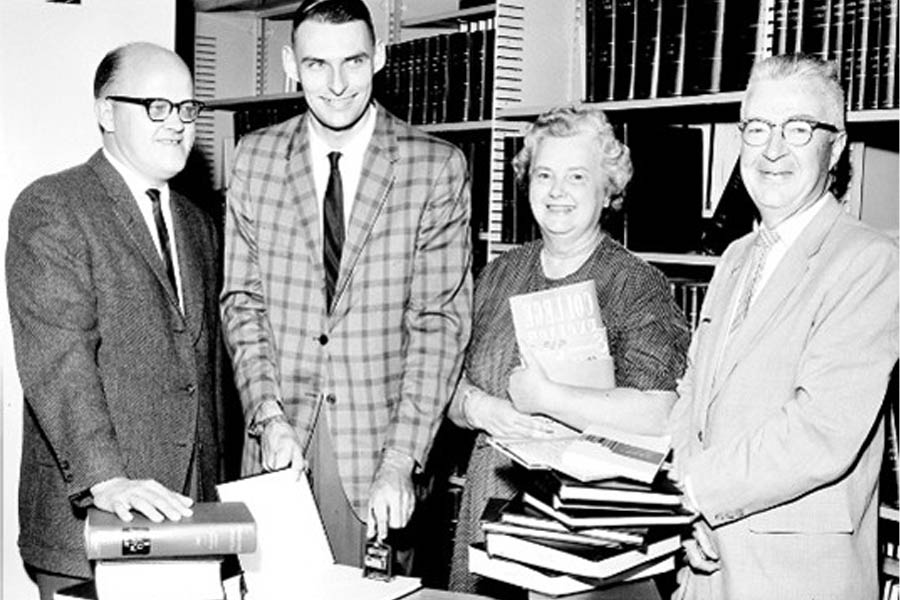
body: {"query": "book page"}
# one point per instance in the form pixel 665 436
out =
pixel 293 558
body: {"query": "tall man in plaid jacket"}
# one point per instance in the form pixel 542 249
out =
pixel 354 387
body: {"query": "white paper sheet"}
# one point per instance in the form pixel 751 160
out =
pixel 293 558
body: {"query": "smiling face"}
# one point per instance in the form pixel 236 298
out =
pixel 335 64
pixel 157 150
pixel 567 189
pixel 782 179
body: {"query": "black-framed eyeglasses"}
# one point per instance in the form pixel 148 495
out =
pixel 159 109
pixel 795 131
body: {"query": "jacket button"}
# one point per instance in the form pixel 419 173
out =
pixel 64 465
pixel 323 339
pixel 700 436
pixel 190 388
pixel 331 399
pixel 68 478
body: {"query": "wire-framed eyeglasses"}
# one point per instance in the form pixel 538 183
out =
pixel 795 131
pixel 159 109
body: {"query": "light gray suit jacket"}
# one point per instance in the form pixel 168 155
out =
pixel 779 427
pixel 117 381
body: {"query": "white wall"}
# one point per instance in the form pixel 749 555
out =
pixel 48 53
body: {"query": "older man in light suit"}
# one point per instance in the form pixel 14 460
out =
pixel 347 292
pixel 112 285
pixel 778 430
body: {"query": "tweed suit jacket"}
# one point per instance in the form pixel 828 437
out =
pixel 779 427
pixel 117 380
pixel 387 356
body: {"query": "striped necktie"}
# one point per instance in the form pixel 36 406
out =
pixel 163 234
pixel 333 208
pixel 765 240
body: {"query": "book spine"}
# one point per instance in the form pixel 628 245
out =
pixel 182 540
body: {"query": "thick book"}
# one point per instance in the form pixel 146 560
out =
pixel 563 328
pixel 661 492
pixel 172 579
pixel 551 583
pixel 596 563
pixel 603 452
pixel 215 528
pixel 587 517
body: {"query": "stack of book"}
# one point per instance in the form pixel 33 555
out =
pixel 568 532
pixel 141 559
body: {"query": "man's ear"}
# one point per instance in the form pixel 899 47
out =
pixel 103 110
pixel 837 148
pixel 380 56
pixel 289 63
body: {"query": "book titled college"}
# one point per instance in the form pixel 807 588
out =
pixel 564 330
pixel 215 528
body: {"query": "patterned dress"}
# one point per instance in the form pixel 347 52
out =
pixel 648 339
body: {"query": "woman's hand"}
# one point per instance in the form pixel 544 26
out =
pixel 499 418
pixel 529 387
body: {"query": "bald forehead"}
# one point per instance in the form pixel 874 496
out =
pixel 140 61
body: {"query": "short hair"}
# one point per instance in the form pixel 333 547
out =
pixel 822 76
pixel 568 121
pixel 817 72
pixel 108 71
pixel 336 12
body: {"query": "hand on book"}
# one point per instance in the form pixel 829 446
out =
pixel 281 446
pixel 529 387
pixel 700 550
pixel 499 418
pixel 155 501
pixel 392 497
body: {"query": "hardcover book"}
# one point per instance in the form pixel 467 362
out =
pixel 551 583
pixel 548 484
pixel 603 452
pixel 584 517
pixel 596 563
pixel 564 330
pixel 172 579
pixel 215 528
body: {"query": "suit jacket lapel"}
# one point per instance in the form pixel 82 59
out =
pixel 189 266
pixel 775 295
pixel 132 221
pixel 299 179
pixel 375 181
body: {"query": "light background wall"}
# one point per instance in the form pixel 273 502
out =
pixel 48 53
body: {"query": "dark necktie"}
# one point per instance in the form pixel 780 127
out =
pixel 333 227
pixel 163 235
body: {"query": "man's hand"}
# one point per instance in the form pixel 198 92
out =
pixel 281 446
pixel 700 550
pixel 155 501
pixel 529 387
pixel 392 498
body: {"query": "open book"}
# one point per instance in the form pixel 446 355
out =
pixel 564 330
pixel 292 549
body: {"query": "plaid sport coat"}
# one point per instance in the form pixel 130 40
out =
pixel 383 364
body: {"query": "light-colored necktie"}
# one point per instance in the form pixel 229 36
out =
pixel 765 240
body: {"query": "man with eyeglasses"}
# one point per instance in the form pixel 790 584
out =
pixel 112 283
pixel 777 433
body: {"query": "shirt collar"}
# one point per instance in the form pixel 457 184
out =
pixel 355 145
pixel 790 229
pixel 137 183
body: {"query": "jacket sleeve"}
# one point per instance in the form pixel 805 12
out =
pixel 245 324
pixel 52 302
pixel 436 322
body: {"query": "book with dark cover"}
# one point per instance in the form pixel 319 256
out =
pixel 887 90
pixel 553 583
pixel 814 22
pixel 580 517
pixel 646 48
pixel 603 40
pixel 861 49
pixel 671 48
pixel 532 521
pixel 438 82
pixel 215 528
pixel 740 43
pixel 487 88
pixel 457 76
pixel 477 49
pixel 547 484
pixel 623 49
pixel 512 190
pixel 597 563
pixel 871 90
pixel 703 32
